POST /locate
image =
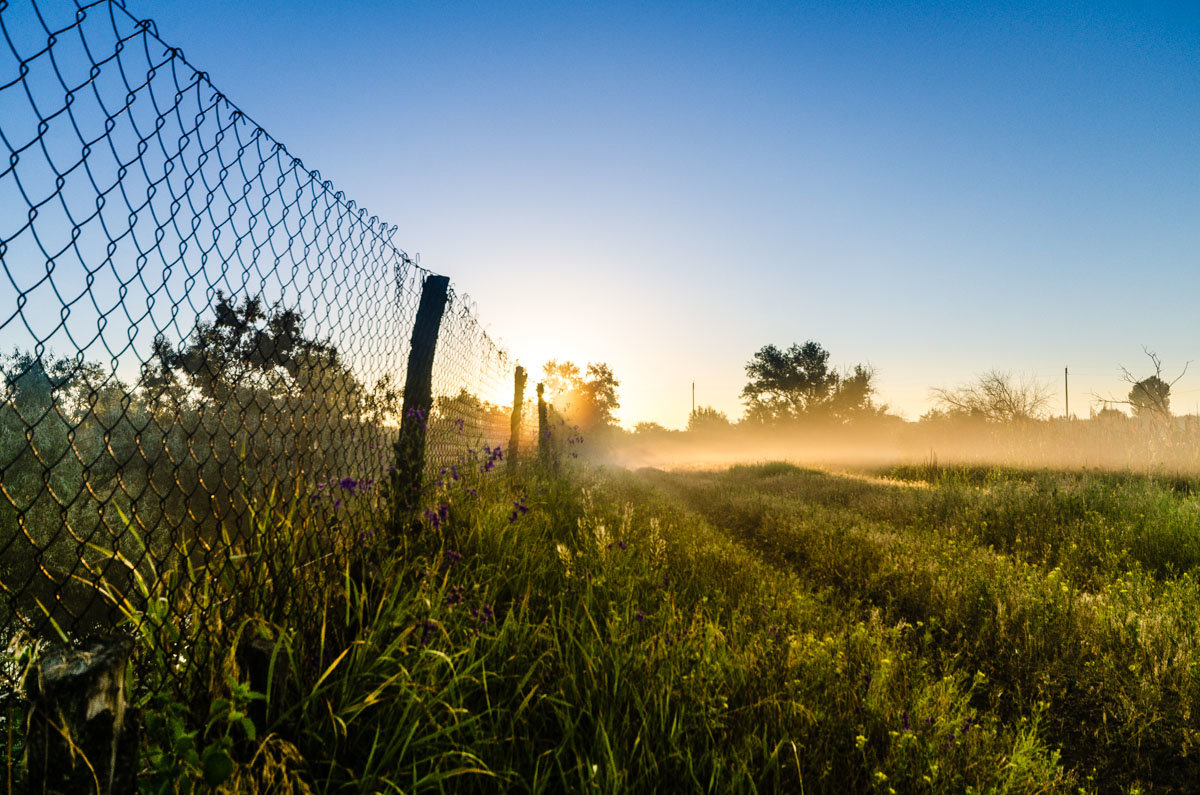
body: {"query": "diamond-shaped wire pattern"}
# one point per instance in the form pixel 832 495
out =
pixel 194 323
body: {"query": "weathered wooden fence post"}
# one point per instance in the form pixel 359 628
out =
pixel 82 737
pixel 543 426
pixel 418 399
pixel 514 436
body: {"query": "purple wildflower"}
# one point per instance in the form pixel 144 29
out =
pixel 519 508
pixel 438 518
pixel 482 615
pixel 640 616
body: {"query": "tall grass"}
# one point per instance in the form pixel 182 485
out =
pixel 548 633
pixel 1074 594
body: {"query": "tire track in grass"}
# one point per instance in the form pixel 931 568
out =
pixel 1115 664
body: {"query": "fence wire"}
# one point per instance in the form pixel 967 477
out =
pixel 196 325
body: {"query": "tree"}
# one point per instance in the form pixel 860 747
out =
pixel 475 416
pixel 1151 396
pixel 644 428
pixel 587 399
pixel 797 382
pixel 1148 397
pixel 706 418
pixel 262 403
pixel 995 396
pixel 246 347
pixel 1108 414
pixel 854 393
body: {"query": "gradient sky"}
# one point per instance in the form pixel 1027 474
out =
pixel 934 189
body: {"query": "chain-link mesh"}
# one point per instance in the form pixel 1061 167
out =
pixel 196 326
pixel 473 379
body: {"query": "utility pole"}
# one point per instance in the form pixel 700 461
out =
pixel 693 414
pixel 1067 391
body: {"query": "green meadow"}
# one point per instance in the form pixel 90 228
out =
pixel 756 629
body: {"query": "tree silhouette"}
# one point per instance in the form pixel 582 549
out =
pixel 706 418
pixel 798 382
pixel 996 396
pixel 244 346
pixel 587 399
pixel 1150 396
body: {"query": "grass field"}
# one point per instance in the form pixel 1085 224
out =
pixel 1062 605
pixel 759 629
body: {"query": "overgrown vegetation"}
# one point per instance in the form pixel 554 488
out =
pixel 762 629
pixel 1074 594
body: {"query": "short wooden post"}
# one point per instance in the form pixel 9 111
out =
pixel 82 737
pixel 543 426
pixel 514 436
pixel 418 398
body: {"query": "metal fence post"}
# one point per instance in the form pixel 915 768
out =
pixel 82 735
pixel 514 437
pixel 418 397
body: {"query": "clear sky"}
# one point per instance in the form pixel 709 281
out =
pixel 933 188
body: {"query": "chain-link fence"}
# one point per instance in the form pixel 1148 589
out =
pixel 195 326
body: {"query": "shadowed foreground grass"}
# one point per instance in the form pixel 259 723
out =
pixel 761 629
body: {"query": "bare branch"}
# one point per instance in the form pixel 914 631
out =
pixel 1150 395
pixel 996 396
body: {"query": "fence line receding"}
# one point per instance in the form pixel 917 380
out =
pixel 192 323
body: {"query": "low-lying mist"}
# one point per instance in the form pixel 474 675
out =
pixel 1168 445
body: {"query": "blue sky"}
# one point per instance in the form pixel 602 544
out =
pixel 935 189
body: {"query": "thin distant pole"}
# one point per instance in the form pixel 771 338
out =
pixel 1067 391
pixel 693 398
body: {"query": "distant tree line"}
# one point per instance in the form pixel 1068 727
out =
pixel 798 385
